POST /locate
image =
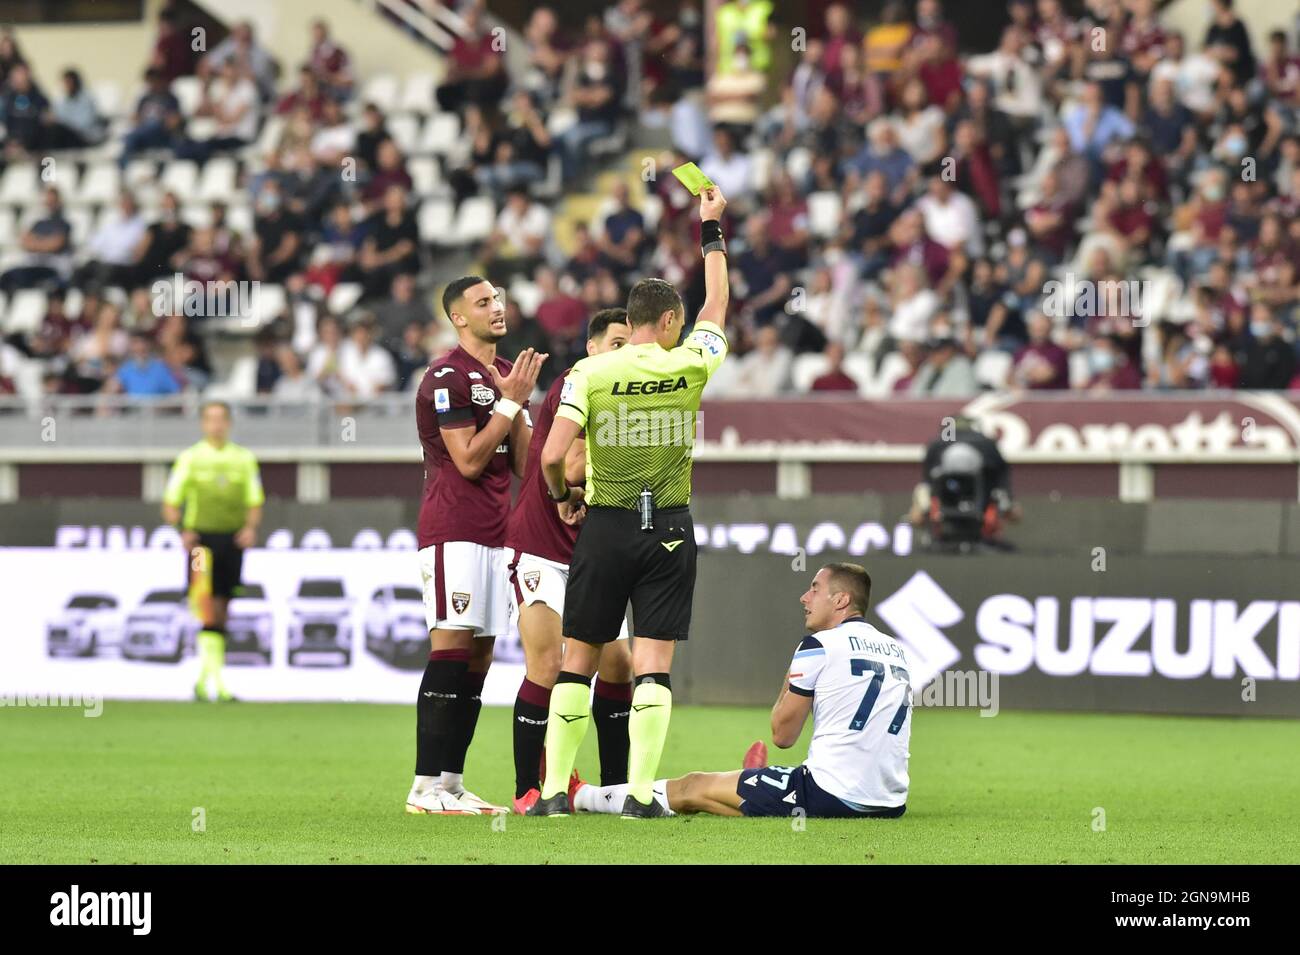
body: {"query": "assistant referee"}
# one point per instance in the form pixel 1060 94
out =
pixel 637 406
pixel 214 495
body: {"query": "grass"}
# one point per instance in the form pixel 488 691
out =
pixel 324 783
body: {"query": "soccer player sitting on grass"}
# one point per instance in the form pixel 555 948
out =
pixel 854 681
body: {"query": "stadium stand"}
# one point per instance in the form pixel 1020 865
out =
pixel 1102 217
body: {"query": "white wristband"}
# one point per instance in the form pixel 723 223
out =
pixel 507 407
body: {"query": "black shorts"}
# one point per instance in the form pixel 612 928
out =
pixel 227 563
pixel 614 562
pixel 783 790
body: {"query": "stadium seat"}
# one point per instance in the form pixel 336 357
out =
pixel 760 173
pixel 219 181
pixel 26 311
pixel 343 297
pixel 1080 373
pixel 861 367
pixel 101 184
pixel 418 93
pixel 188 91
pixel 825 211
pixel 806 369
pixel 527 296
pixel 196 215
pixel 441 131
pixel 992 367
pixel 652 210
pixel 20 185
pixel 426 177
pixel 181 176
pixel 109 100
pixel 141 173
pixel 8 228
pixel 892 369
pixel 240 218
pixel 798 163
pixel 240 383
pixel 267 139
pixel 80 219
pixel 405 130
pixel 474 221
pixel 381 89
pixel 65 176
pixel 269 302
pixel 435 219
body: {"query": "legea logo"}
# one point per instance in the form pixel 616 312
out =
pixel 1104 636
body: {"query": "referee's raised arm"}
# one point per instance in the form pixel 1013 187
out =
pixel 717 288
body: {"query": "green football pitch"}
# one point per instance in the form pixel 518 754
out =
pixel 187 783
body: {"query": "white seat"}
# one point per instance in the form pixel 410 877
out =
pixel 892 368
pixel 798 163
pixel 240 383
pixel 475 220
pixel 141 172
pixel 63 176
pixel 435 220
pixel 268 137
pixel 80 219
pixel 425 175
pixel 201 127
pixel 825 210
pixel 418 93
pixel 527 295
pixel 240 218
pixel 20 185
pixel 861 368
pixel 181 176
pixel 219 180
pixel 652 210
pixel 8 230
pixel 100 184
pixel 381 89
pixel 441 131
pixel 188 91
pixel 1080 372
pixel 108 99
pixel 26 310
pixel 992 368
pixel 196 215
pixel 269 302
pixel 405 130
pixel 760 171
pixel 806 369
pixel 344 296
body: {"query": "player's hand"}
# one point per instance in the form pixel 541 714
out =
pixel 574 510
pixel 189 540
pixel 519 384
pixel 712 203
pixel 245 538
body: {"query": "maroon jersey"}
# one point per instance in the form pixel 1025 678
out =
pixel 457 392
pixel 535 526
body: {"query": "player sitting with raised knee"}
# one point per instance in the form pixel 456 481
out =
pixel 854 681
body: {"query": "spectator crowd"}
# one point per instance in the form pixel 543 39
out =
pixel 1098 203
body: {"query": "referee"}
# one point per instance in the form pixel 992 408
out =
pixel 637 406
pixel 215 484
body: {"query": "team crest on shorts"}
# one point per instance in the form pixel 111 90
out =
pixel 459 602
pixel 532 578
pixel 482 395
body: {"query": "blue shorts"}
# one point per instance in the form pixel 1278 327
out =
pixel 781 790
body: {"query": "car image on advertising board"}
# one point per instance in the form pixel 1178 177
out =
pixel 249 625
pixel 320 623
pixel 161 628
pixel 86 626
pixel 395 627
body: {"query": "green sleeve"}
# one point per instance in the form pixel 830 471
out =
pixel 178 481
pixel 709 342
pixel 573 396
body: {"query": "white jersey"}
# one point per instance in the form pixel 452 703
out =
pixel 862 712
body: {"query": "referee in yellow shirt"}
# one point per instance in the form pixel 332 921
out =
pixel 214 495
pixel 637 407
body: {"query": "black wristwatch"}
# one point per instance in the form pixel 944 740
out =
pixel 568 493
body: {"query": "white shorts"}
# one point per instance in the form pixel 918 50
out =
pixel 466 588
pixel 538 580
